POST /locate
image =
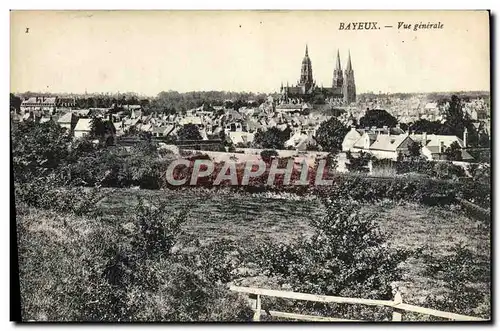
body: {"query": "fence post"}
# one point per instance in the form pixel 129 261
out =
pixel 256 316
pixel 396 313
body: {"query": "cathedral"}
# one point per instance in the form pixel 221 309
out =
pixel 343 87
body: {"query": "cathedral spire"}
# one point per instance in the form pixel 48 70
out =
pixel 349 88
pixel 306 76
pixel 349 66
pixel 338 66
pixel 338 76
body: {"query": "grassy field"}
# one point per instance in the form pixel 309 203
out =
pixel 247 218
pixel 240 218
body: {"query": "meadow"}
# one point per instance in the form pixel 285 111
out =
pixel 435 277
pixel 434 231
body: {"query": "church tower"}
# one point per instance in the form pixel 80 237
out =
pixel 349 88
pixel 338 77
pixel 306 76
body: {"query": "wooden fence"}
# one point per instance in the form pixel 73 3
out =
pixel 397 306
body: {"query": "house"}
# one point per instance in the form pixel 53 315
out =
pixel 191 120
pixel 83 127
pixel 300 141
pixel 353 136
pixel 64 103
pixel 68 121
pixel 45 104
pixel 350 138
pixel 434 146
pixel 240 137
pixel 383 146
pixel 83 112
pixel 162 131
pixel 390 146
pixel 290 108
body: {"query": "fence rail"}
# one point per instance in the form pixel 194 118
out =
pixel 397 305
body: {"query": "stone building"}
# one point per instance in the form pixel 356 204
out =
pixel 343 84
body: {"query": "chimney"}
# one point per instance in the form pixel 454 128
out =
pixel 441 147
pixel 424 139
pixel 465 137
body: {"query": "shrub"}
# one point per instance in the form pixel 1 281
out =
pixel 37 149
pixel 267 155
pixel 346 256
pixel 358 164
pixel 458 271
pixel 44 193
pixel 77 269
pixel 375 189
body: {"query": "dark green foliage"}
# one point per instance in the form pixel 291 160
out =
pixel 37 149
pixel 346 256
pixel 330 135
pixel 102 130
pixel 90 270
pixel 377 118
pixel 189 132
pixel 454 152
pixel 358 163
pixel 15 103
pixel 458 271
pixel 267 155
pixel 458 120
pixel 175 102
pixel 272 138
pixel 427 191
pixel 414 149
pixel 434 169
pixel 45 193
pixel 118 167
pixel 430 127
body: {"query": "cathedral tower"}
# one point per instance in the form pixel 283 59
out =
pixel 349 88
pixel 338 77
pixel 306 76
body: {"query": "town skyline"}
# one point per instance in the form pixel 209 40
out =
pixel 238 51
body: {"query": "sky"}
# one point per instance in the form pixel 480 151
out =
pixel 152 51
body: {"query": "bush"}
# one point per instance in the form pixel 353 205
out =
pixel 422 190
pixel 458 271
pixel 346 256
pixel 77 269
pixel 38 149
pixel 267 155
pixel 45 194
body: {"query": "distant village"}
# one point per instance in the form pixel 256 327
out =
pixel 302 119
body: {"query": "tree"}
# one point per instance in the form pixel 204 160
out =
pixel 454 152
pixel 330 135
pixel 267 155
pixel 15 103
pixel 457 120
pixel 38 148
pixel 102 130
pixel 189 132
pixel 358 164
pixel 430 127
pixel 378 118
pixel 347 255
pixel 414 149
pixel 272 138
